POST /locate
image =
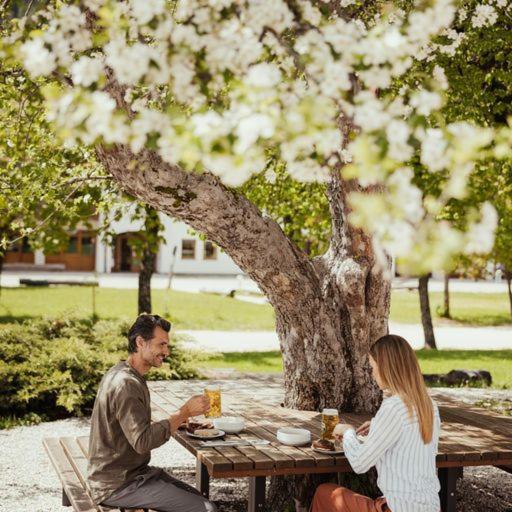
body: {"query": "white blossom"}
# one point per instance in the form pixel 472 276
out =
pixel 480 236
pixel 439 75
pixel 86 71
pixel 433 150
pixel 146 10
pixel 129 63
pixel 251 128
pixel 37 60
pixel 398 133
pixel 369 112
pixel 426 101
pixel 270 176
pixel 484 16
pixel 263 75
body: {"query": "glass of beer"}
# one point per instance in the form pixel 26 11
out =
pixel 330 419
pixel 213 393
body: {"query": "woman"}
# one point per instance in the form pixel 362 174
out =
pixel 402 440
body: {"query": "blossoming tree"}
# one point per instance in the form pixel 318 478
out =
pixel 184 101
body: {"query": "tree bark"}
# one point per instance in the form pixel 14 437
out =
pixel 446 291
pixel 426 315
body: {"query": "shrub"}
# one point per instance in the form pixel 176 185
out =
pixel 53 367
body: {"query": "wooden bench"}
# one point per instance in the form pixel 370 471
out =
pixel 69 458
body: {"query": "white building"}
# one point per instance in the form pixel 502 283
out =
pixel 183 252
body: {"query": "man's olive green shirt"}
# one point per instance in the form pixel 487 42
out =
pixel 122 435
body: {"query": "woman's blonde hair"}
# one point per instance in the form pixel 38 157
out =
pixel 400 373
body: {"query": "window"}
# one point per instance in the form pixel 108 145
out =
pixel 87 245
pixel 188 249
pixel 25 246
pixel 210 250
pixel 72 245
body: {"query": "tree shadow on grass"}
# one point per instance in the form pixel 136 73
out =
pixel 18 319
pixel 458 355
pixel 482 320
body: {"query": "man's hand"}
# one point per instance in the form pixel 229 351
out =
pixel 340 429
pixel 195 406
pixel 363 429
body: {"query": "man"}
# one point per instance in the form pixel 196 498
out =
pixel 122 435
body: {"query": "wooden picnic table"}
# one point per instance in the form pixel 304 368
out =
pixel 470 437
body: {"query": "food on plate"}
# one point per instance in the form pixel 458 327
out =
pixel 207 432
pixel 192 426
pixel 324 444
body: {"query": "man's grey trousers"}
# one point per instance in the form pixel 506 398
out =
pixel 159 491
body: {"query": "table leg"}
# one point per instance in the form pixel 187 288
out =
pixel 65 499
pixel 448 478
pixel 256 494
pixel 202 479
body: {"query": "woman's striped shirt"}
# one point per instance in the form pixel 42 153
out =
pixel 406 466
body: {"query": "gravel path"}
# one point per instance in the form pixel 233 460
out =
pixel 28 480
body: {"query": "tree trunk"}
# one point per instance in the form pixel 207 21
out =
pixel 446 312
pixel 147 265
pixel 2 258
pixel 508 277
pixel 329 310
pixel 426 315
pixel 147 259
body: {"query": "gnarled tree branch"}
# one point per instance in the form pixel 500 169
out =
pixel 256 243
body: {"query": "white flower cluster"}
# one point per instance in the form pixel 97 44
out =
pixel 64 37
pixel 484 16
pixel 231 85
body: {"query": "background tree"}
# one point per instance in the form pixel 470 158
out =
pixel 146 246
pixel 426 312
pixel 45 190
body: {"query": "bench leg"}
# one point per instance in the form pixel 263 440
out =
pixel 448 478
pixel 256 494
pixel 202 479
pixel 65 499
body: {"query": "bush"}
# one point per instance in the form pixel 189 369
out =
pixel 53 367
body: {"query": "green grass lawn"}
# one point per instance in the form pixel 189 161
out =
pixel 216 312
pixel 498 362
pixel 187 310
pixel 479 309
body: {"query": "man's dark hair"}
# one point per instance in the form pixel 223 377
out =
pixel 144 327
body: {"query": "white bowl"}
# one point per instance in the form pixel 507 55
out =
pixel 293 436
pixel 230 424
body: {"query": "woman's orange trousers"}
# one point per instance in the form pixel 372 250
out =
pixel 333 498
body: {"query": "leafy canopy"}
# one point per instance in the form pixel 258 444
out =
pixel 220 85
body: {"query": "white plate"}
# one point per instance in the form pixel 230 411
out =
pixel 220 434
pixel 328 452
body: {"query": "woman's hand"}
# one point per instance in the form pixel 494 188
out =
pixel 363 429
pixel 340 429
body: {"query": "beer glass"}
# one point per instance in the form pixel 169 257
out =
pixel 213 393
pixel 330 419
